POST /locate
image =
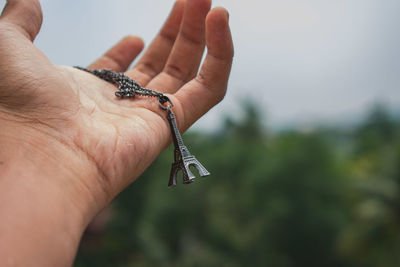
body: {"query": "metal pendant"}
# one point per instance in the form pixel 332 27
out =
pixel 183 158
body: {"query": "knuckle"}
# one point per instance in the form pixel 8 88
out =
pixel 221 95
pixel 218 92
pixel 194 39
pixel 176 72
pixel 148 68
pixel 168 36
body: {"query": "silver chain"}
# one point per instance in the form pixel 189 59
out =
pixel 126 86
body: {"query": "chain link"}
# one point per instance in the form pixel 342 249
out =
pixel 126 86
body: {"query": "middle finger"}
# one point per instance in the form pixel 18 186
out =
pixel 184 60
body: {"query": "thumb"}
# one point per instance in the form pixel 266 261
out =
pixel 24 15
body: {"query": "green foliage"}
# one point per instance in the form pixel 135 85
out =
pixel 325 198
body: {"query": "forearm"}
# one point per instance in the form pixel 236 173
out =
pixel 43 213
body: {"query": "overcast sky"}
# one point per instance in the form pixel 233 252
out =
pixel 301 61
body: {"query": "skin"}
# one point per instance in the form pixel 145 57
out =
pixel 69 146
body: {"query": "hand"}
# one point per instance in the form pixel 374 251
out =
pixel 72 127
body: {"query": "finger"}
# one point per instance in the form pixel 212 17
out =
pixel 209 87
pixel 185 58
pixel 156 55
pixel 119 57
pixel 24 15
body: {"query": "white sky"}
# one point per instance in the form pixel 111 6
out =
pixel 301 61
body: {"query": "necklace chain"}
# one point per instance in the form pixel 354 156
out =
pixel 126 86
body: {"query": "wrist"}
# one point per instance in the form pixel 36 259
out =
pixel 50 160
pixel 42 194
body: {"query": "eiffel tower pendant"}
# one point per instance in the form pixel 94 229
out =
pixel 183 158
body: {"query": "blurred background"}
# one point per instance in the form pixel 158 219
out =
pixel 304 151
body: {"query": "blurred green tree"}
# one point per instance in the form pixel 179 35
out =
pixel 373 237
pixel 322 198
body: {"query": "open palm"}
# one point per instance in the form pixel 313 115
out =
pixel 113 140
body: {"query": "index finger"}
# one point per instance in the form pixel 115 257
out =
pixel 209 87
